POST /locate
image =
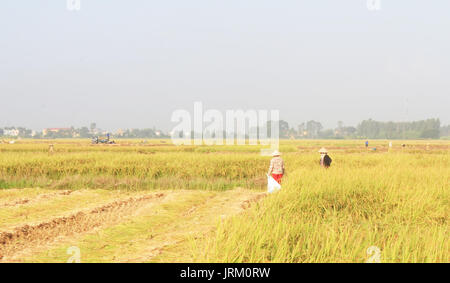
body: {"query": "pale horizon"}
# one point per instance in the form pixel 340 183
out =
pixel 131 64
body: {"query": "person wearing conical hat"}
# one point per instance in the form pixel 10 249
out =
pixel 325 160
pixel 51 149
pixel 276 169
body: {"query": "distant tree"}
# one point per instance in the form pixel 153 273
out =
pixel 339 131
pixel 402 130
pixel 444 131
pixel 313 129
pixel 284 129
pixel 301 129
pixel 84 132
pixel 93 127
pixel 327 134
pixel 38 135
pixel 349 132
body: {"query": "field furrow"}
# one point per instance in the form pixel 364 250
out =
pixel 147 228
pixel 27 236
pixel 35 199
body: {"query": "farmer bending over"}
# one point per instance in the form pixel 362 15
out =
pixel 325 160
pixel 276 168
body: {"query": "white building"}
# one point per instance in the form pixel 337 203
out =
pixel 11 133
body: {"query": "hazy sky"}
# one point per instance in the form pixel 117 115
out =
pixel 132 63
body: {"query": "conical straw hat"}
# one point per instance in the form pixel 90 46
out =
pixel 323 150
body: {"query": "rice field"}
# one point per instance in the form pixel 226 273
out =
pixel 151 201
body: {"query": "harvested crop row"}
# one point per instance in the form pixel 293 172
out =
pixel 38 198
pixel 197 223
pixel 27 236
pixel 158 233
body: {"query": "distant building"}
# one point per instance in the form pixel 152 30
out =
pixel 11 133
pixel 120 133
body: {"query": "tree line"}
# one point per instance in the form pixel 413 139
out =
pixel 367 129
pixel 370 129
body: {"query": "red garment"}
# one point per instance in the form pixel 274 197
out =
pixel 277 177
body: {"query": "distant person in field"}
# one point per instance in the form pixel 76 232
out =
pixel 367 144
pixel 325 160
pixel 276 169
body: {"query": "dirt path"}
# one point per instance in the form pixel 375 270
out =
pixel 197 222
